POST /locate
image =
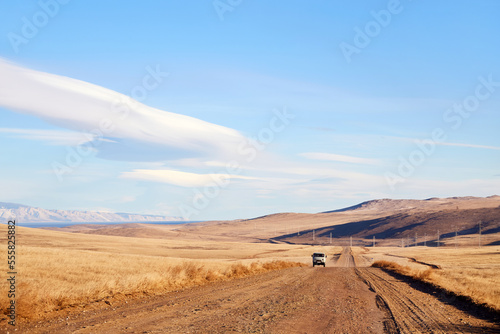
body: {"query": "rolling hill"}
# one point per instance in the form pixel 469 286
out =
pixel 383 219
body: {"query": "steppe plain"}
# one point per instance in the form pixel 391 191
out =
pixel 434 273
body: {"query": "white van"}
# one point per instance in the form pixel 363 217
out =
pixel 319 259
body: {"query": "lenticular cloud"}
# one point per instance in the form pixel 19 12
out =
pixel 85 107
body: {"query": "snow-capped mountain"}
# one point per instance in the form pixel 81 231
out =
pixel 29 214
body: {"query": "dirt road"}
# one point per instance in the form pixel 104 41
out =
pixel 340 298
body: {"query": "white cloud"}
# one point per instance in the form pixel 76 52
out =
pixel 339 158
pixel 415 140
pixel 469 145
pixel 182 179
pixel 84 107
pixel 53 137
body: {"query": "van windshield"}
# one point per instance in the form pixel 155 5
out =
pixel 319 255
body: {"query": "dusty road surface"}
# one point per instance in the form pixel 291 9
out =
pixel 341 298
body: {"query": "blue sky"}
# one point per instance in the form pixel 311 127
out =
pixel 246 108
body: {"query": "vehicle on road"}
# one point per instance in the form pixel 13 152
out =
pixel 319 259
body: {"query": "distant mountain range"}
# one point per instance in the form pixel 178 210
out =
pixel 433 218
pixel 29 214
pixel 432 221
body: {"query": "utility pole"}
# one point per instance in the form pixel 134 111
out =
pixel 373 241
pixel 416 239
pixel 438 239
pixel 456 236
pixel 350 241
pixel 479 234
pixel 314 236
pixel 402 243
pixel 330 237
pixel 425 240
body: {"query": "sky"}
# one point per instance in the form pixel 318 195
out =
pixel 232 109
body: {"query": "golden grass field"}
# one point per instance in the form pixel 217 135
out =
pixel 469 271
pixel 60 269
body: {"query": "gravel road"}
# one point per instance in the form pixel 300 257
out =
pixel 341 298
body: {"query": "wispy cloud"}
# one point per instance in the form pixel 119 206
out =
pixel 413 140
pixel 88 108
pixel 469 145
pixel 182 179
pixel 52 137
pixel 339 158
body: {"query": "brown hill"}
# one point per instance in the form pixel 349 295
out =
pixel 382 219
pixel 409 224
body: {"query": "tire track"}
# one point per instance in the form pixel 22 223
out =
pixel 414 311
pixel 408 316
pixel 346 259
pixel 409 310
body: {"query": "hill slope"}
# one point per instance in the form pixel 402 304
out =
pixel 383 218
pixel 409 225
pixel 380 218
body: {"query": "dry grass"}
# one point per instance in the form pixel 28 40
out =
pixel 469 272
pixel 50 279
pixel 421 275
pixel 59 270
pixel 392 266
